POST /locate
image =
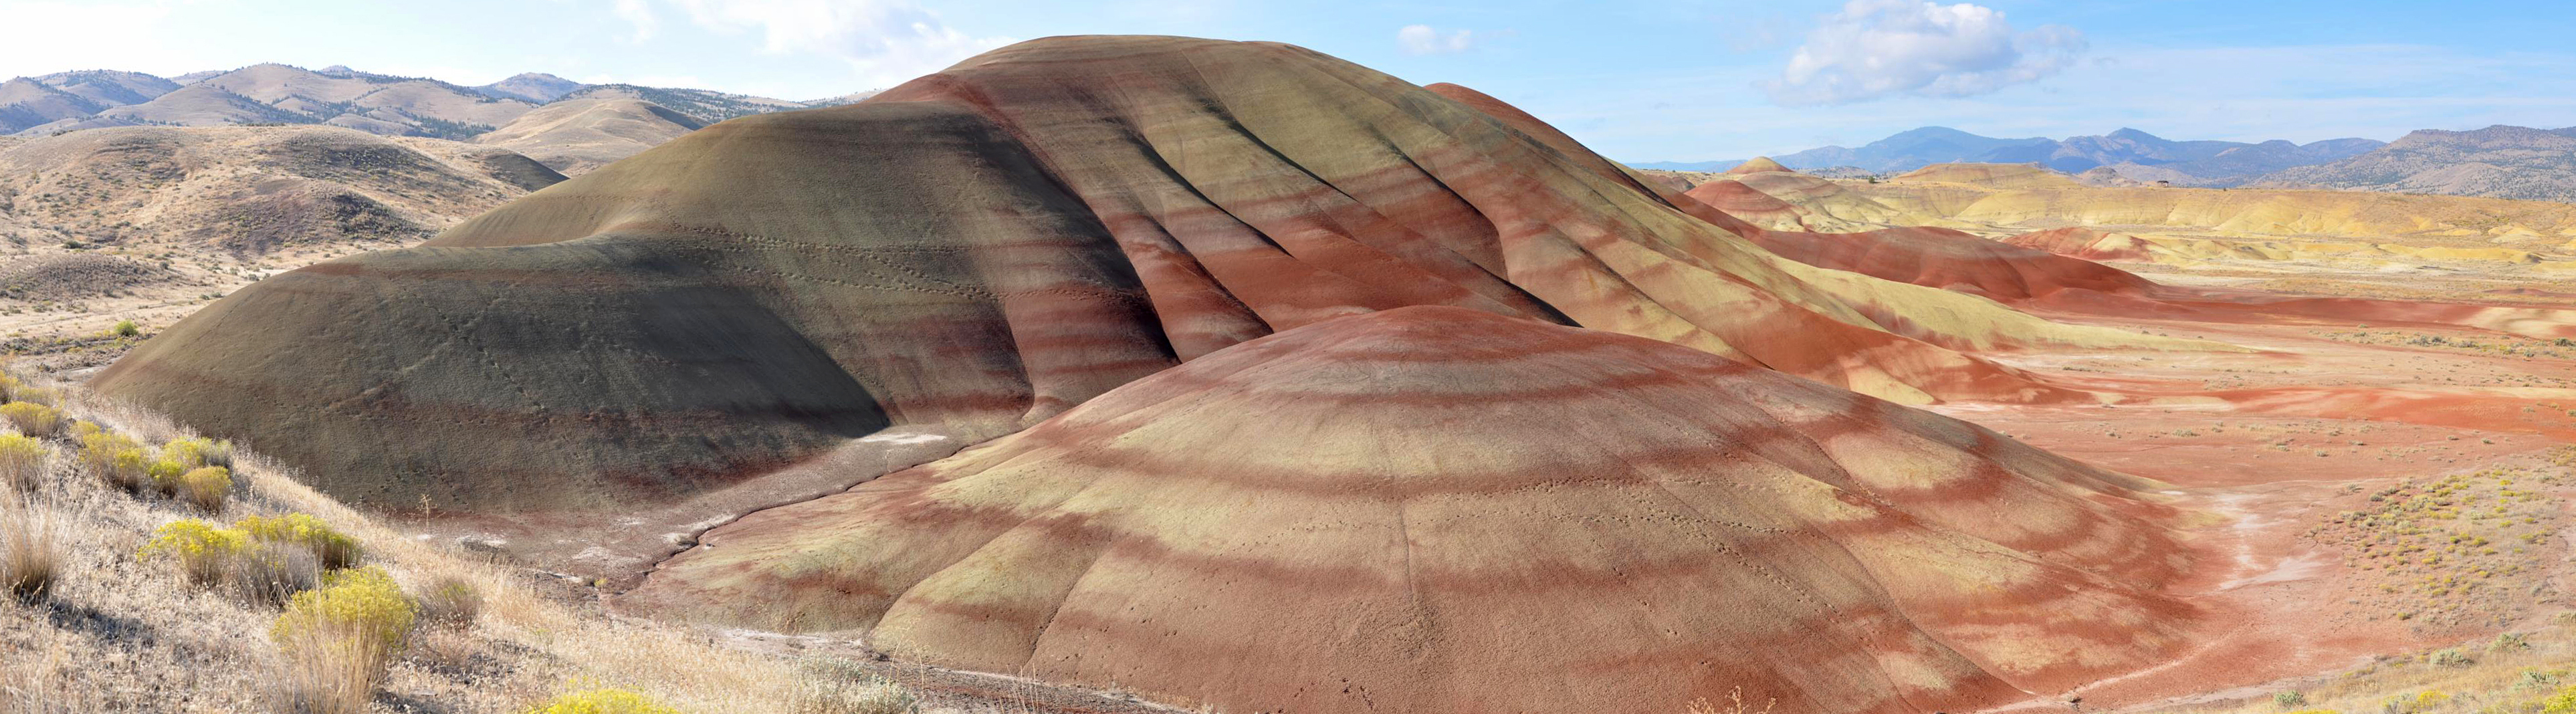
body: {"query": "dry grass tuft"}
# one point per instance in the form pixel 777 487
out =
pixel 30 560
pixel 452 602
pixel 339 640
pixel 838 686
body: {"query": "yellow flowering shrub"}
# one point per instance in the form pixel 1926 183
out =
pixel 115 458
pixel 22 462
pixel 206 488
pixel 190 453
pixel 32 419
pixel 164 475
pixel 2564 702
pixel 334 549
pixel 602 701
pixel 203 551
pixel 339 638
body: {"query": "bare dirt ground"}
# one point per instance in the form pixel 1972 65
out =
pixel 2363 490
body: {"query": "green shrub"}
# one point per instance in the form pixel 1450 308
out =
pixel 334 549
pixel 2289 700
pixel 339 639
pixel 126 328
pixel 602 701
pixel 32 419
pixel 22 463
pixel 206 488
pixel 2451 658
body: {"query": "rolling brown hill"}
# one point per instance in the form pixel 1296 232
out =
pixel 268 93
pixel 145 223
pixel 1445 509
pixel 253 189
pixel 26 103
pixel 756 292
pixel 575 136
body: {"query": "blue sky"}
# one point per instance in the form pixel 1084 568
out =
pixel 1643 81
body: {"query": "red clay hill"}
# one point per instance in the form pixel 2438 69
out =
pixel 1440 509
pixel 983 248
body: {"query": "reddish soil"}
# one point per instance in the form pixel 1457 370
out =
pixel 2274 446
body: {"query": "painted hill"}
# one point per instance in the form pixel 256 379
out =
pixel 1759 164
pixel 2032 197
pixel 1444 509
pixel 578 135
pixel 2494 162
pixel 981 249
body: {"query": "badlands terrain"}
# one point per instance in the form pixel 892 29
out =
pixel 1106 374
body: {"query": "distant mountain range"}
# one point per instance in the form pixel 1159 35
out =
pixel 338 96
pixel 2133 153
pixel 2495 162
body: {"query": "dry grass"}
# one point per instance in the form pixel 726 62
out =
pixel 451 602
pixel 834 686
pixel 2515 673
pixel 123 633
pixel 30 559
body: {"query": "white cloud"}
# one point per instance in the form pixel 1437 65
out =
pixel 1880 48
pixel 1423 40
pixel 884 41
pixel 639 14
